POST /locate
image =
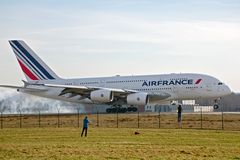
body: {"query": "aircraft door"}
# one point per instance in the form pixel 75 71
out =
pixel 175 89
pixel 102 83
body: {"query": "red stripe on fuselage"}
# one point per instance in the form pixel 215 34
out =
pixel 198 81
pixel 27 71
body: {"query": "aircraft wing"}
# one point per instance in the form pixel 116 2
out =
pixel 24 88
pixel 85 91
pixel 119 94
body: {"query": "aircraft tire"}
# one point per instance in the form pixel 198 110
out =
pixel 129 109
pixel 123 110
pixel 134 109
pixel 215 106
pixel 108 110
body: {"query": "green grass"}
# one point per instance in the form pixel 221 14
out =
pixel 122 143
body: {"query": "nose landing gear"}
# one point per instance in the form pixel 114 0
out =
pixel 216 103
pixel 215 106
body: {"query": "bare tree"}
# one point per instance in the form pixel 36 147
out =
pixel 3 106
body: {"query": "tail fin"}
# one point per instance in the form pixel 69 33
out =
pixel 32 66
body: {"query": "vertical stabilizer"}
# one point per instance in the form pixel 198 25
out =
pixel 32 65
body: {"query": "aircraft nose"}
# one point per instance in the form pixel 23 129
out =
pixel 227 90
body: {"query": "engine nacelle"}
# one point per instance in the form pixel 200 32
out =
pixel 101 96
pixel 137 99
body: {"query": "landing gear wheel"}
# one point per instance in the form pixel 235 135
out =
pixel 215 106
pixel 114 110
pixel 134 109
pixel 122 110
pixel 108 110
pixel 129 109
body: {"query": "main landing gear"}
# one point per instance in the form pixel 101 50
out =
pixel 120 109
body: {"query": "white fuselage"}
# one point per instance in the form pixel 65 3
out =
pixel 179 86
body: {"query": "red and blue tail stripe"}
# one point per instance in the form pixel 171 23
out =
pixel 33 60
pixel 33 67
pixel 27 71
pixel 24 62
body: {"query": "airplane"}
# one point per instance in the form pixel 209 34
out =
pixel 116 90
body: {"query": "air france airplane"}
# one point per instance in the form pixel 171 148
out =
pixel 116 90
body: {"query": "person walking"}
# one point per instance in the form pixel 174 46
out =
pixel 85 126
pixel 179 111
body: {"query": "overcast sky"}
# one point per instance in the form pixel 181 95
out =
pixel 127 37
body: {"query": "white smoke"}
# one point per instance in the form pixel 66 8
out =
pixel 12 102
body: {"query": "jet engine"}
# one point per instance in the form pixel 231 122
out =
pixel 101 95
pixel 137 99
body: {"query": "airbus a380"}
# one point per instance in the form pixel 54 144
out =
pixel 116 90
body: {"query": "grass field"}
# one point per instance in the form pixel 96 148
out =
pixel 122 143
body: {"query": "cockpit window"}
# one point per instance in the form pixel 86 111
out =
pixel 220 83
